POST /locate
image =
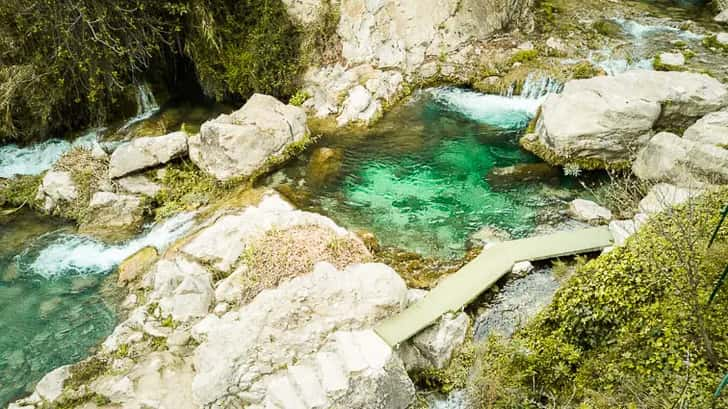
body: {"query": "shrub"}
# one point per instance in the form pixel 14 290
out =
pixel 628 329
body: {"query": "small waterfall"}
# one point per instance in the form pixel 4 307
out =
pixel 146 105
pixel 537 87
pixel 145 100
pixel 641 31
pixel 63 254
pixel 507 111
pixel 36 159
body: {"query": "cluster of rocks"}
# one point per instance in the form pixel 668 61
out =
pixel 604 122
pixel 239 145
pixel 189 341
pixel 387 45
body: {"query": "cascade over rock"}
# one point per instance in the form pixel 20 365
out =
pixel 386 44
pixel 244 142
pixel 603 121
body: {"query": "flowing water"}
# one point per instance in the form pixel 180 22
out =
pixel 36 159
pixel 146 106
pixel 56 301
pixel 417 179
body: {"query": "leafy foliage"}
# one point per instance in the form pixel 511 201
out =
pixel 624 331
pixel 66 64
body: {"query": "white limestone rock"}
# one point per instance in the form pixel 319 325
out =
pixel 221 244
pixel 139 184
pixel 247 351
pixel 663 196
pixel 113 216
pixel 50 387
pixel 673 59
pixel 588 211
pixel 608 119
pixel 522 268
pixel 56 188
pixel 622 230
pixel 681 161
pixel 240 144
pixel 183 288
pixel 711 129
pixel 147 152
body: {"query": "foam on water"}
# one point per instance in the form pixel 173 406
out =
pixel 503 111
pixel 642 31
pixel 36 159
pixel 71 254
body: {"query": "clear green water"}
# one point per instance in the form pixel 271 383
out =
pixel 57 301
pixel 417 179
pixel 44 323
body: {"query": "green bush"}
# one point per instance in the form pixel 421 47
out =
pixel 625 330
pixel 68 64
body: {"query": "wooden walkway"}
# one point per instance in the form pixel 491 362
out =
pixel 485 270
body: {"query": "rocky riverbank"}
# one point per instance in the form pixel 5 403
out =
pixel 265 305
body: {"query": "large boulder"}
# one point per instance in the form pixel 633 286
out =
pixel 220 245
pixel 300 345
pixel 603 121
pixel 681 161
pixel 143 153
pixel 711 129
pixel 56 188
pixel 407 34
pixel 112 216
pixel 663 196
pixel 246 141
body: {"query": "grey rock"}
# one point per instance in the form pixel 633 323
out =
pixel 139 184
pixel 588 211
pixel 622 230
pixel 143 153
pixel 50 387
pixel 267 350
pixel 681 161
pixel 711 129
pixel 113 216
pixel 242 143
pixel 606 120
pixel 57 187
pixel 183 288
pixel 434 346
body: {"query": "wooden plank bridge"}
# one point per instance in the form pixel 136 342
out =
pixel 492 264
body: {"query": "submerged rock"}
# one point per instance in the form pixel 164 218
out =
pixel 603 121
pixel 324 166
pixel 523 173
pixel 143 153
pixel 248 140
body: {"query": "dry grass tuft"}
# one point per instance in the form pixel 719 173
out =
pixel 280 255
